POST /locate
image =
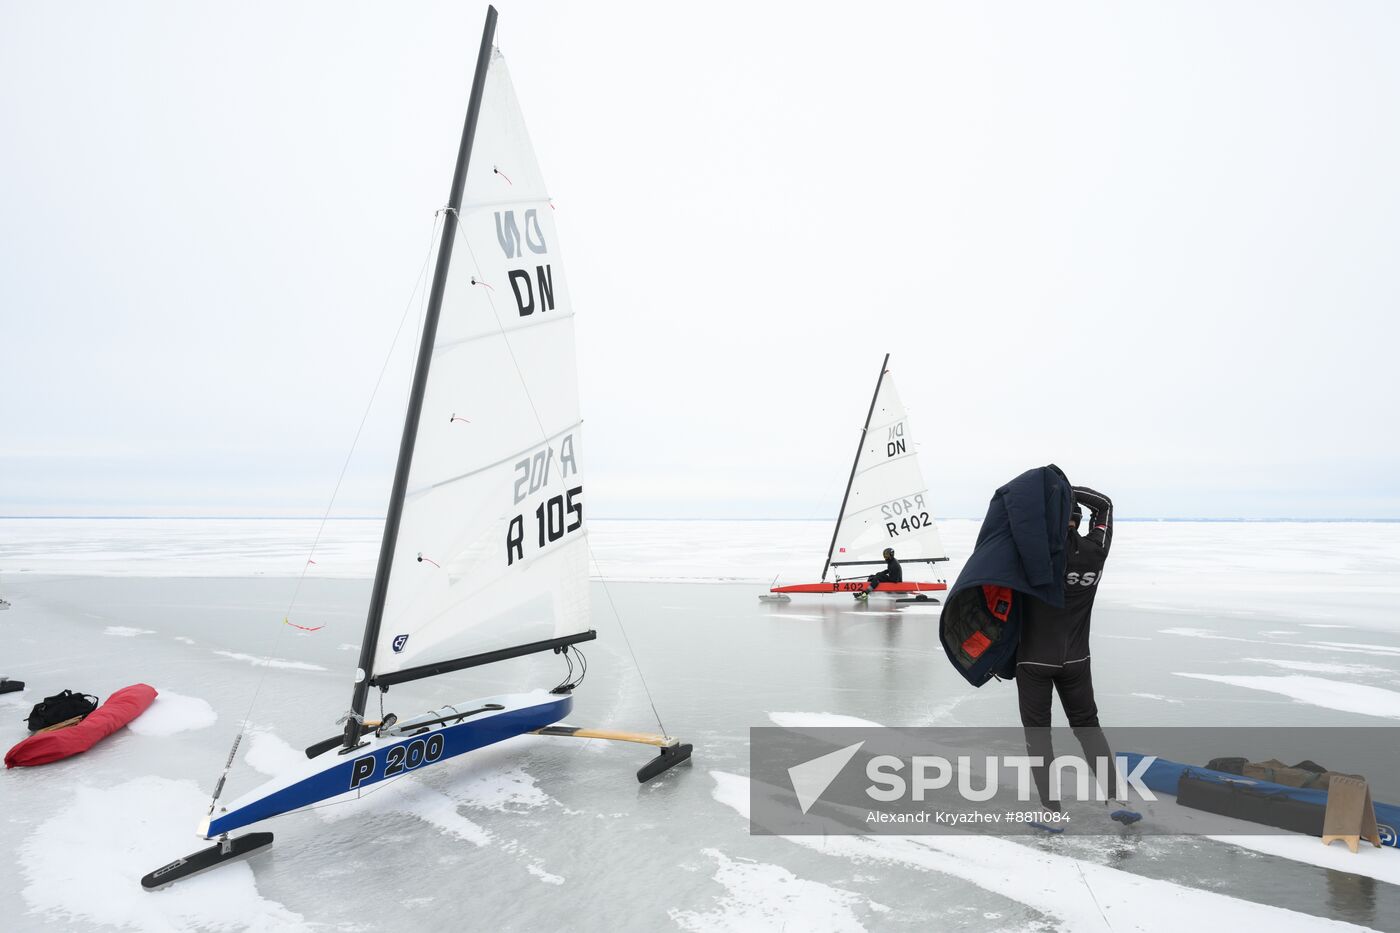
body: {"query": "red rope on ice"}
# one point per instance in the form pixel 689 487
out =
pixel 428 560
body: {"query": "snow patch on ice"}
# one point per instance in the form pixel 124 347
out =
pixel 817 720
pixel 1346 646
pixel 174 712
pixel 1047 882
pixel 269 754
pixel 126 631
pixel 1158 697
pixel 1361 647
pixel 412 798
pixel 1317 691
pixel 535 869
pixel 533 865
pixel 348 647
pixel 86 862
pixel 1320 667
pixel 943 712
pixel 506 790
pixel 769 897
pixel 186 640
pixel 270 662
pixel 1369 861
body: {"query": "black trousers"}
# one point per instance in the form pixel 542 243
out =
pixel 884 576
pixel 1075 685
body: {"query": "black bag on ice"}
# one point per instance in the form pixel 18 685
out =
pixel 60 708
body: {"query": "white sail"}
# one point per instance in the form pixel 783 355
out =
pixel 491 549
pixel 888 505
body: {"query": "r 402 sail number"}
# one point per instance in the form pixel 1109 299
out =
pixel 905 516
pixel 908 524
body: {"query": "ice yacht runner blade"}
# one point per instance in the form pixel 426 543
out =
pixel 220 853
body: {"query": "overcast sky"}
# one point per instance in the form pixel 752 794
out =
pixel 1152 243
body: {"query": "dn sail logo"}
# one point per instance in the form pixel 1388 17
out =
pixel 514 241
pixel 894 444
pixel 399 642
pixel 509 234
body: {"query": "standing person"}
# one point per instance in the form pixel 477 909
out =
pixel 892 573
pixel 1054 647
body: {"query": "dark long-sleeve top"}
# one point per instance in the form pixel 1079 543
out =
pixel 1055 636
pixel 893 572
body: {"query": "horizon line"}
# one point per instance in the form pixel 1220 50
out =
pixel 679 518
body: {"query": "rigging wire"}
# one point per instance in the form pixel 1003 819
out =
pixel 570 683
pixel 628 641
pixel 266 661
pixel 544 433
pixel 384 368
pixel 1093 898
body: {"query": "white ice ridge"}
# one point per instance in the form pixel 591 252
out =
pixel 1381 864
pixel 270 662
pixel 1053 884
pixel 126 631
pixel 173 712
pixel 1323 667
pixel 1345 646
pixel 760 897
pixel 119 833
pixel 1158 697
pixel 817 720
pixel 1317 691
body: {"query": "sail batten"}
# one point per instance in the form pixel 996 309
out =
pixel 444 347
pixel 506 459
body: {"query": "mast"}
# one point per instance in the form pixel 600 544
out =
pixel 420 381
pixel 859 447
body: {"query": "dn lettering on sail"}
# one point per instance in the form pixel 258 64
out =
pixel 533 288
pixel 555 516
pixel 895 443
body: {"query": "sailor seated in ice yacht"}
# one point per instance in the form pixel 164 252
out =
pixel 892 573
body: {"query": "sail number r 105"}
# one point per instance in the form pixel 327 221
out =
pixel 550 523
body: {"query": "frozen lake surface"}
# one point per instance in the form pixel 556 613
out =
pixel 1198 624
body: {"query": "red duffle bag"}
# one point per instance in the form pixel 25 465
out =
pixel 121 708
